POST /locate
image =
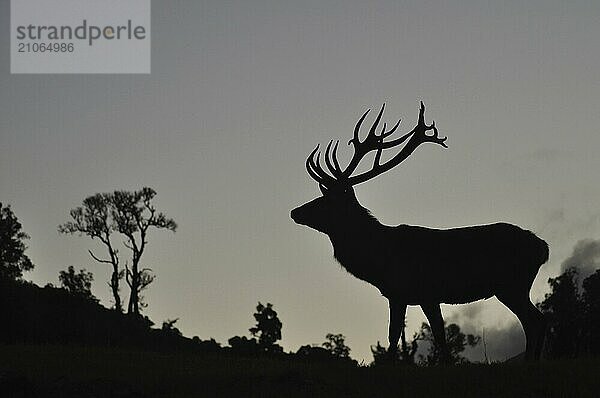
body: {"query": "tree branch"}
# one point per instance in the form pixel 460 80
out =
pixel 127 245
pixel 128 275
pixel 98 259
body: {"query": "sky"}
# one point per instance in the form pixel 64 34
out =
pixel 239 94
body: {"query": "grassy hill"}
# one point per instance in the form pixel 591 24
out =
pixel 47 315
pixel 53 344
pixel 79 371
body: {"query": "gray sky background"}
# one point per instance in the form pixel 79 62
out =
pixel 240 93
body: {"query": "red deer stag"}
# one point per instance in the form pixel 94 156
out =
pixel 413 265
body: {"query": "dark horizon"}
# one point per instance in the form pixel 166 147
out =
pixel 239 95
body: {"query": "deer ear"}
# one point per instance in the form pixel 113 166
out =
pixel 323 189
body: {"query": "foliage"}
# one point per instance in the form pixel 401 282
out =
pixel 268 328
pixel 13 260
pixel 405 355
pixel 245 346
pixel 314 353
pixel 336 345
pixel 381 355
pixel 573 315
pixel 79 284
pixel 132 215
pixel 456 343
pixel 334 349
pixel 169 326
pixel 591 308
pixel 563 310
pixel 207 346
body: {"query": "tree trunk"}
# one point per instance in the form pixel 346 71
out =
pixel 133 306
pixel 114 284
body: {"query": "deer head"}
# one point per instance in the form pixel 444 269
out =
pixel 338 203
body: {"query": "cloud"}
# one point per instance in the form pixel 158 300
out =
pixel 501 343
pixel 585 257
pixel 504 343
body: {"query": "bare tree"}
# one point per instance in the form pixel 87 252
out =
pixel 132 215
pixel 94 219
pixel 413 265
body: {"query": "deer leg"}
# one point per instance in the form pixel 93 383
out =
pixel 434 316
pixel 397 315
pixel 532 320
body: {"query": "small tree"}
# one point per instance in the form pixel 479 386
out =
pixel 268 328
pixel 13 260
pixel 564 312
pixel 336 345
pixel 405 355
pixel 380 354
pixel 456 343
pixel 79 284
pixel 169 327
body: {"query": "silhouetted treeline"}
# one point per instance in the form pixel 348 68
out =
pixel 573 313
pixel 50 315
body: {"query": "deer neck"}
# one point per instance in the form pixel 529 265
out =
pixel 353 241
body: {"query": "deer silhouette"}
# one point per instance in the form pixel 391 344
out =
pixel 414 265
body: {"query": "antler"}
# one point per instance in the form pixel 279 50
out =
pixel 373 142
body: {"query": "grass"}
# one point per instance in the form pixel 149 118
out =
pixel 71 371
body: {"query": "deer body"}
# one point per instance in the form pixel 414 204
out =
pixel 467 264
pixel 465 267
pixel 413 265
